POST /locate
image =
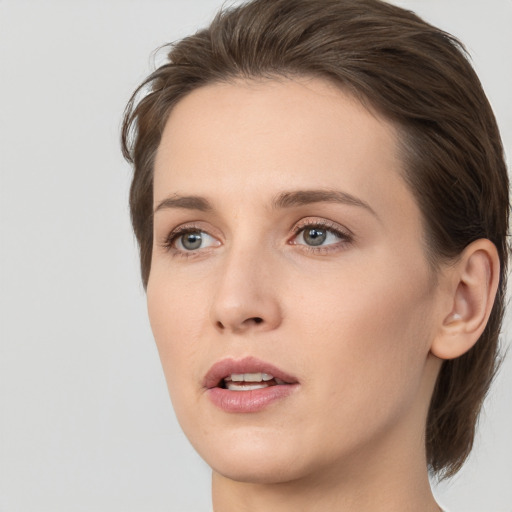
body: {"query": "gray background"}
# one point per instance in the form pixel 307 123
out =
pixel 85 421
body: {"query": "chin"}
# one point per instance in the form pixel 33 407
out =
pixel 256 460
pixel 249 457
pixel 258 472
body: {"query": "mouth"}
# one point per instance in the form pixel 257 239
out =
pixel 246 375
pixel 250 381
pixel 247 385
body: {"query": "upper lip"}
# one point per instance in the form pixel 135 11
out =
pixel 225 367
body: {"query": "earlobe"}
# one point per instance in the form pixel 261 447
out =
pixel 475 278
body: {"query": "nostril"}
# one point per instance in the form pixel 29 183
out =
pixel 245 324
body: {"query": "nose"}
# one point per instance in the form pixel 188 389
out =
pixel 246 297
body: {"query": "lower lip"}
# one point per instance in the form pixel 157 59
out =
pixel 249 401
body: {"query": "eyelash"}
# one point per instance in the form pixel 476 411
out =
pixel 345 236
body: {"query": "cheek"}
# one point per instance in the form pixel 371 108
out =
pixel 175 312
pixel 370 339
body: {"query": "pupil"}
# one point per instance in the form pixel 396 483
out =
pixel 192 241
pixel 315 236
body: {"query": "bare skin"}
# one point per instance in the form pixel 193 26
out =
pixel 307 252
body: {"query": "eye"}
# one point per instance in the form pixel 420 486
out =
pixel 189 239
pixel 315 236
pixel 320 235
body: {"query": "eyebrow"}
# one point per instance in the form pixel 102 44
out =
pixel 186 202
pixel 305 197
pixel 281 201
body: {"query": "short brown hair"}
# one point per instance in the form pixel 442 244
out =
pixel 415 75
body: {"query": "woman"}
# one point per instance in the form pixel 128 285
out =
pixel 321 203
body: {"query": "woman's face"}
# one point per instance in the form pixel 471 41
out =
pixel 289 294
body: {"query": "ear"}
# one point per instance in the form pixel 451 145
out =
pixel 473 281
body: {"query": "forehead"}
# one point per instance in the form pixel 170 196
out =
pixel 290 112
pixel 259 136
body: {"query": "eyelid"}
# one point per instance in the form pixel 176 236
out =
pixel 324 223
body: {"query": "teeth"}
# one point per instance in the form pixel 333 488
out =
pixel 250 377
pixel 232 386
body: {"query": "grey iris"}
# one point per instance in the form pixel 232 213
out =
pixel 315 236
pixel 192 240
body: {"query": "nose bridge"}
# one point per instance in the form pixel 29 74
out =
pixel 246 295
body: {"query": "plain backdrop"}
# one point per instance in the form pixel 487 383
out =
pixel 85 420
